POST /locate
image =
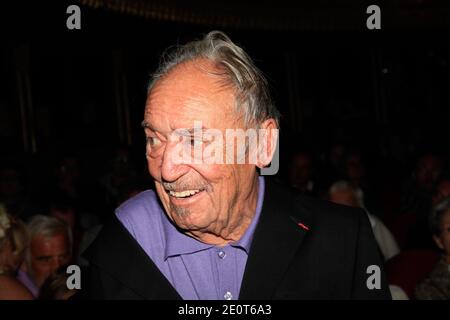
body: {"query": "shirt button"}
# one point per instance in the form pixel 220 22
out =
pixel 221 255
pixel 228 295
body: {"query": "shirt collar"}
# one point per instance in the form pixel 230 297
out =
pixel 178 243
pixel 246 240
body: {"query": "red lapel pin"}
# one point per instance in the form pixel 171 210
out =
pixel 301 225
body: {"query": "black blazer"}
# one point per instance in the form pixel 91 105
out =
pixel 302 249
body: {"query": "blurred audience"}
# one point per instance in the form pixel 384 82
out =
pixel 415 203
pixel 71 185
pixel 120 173
pixel 355 169
pixel 344 192
pixel 301 173
pixel 68 177
pixel 49 249
pixel 65 212
pixel 13 242
pixel 335 162
pixel 436 286
pixel 441 191
pixel 55 287
pixel 408 268
pixel 416 198
pixel 13 191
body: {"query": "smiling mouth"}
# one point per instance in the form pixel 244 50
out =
pixel 185 193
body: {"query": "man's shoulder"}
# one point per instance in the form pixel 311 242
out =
pixel 324 210
pixel 312 210
pixel 142 199
pixel 139 206
pixel 130 218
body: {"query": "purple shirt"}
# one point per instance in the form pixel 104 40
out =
pixel 196 270
pixel 26 280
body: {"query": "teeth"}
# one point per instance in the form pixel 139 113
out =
pixel 183 194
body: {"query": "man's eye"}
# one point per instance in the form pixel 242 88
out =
pixel 196 141
pixel 153 141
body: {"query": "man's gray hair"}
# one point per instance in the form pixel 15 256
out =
pixel 235 68
pixel 343 185
pixel 47 226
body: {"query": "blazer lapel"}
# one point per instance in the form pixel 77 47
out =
pixel 116 252
pixel 279 234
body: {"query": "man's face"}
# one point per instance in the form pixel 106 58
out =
pixel 185 95
pixel 48 254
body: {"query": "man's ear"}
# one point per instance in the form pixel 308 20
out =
pixel 438 242
pixel 267 142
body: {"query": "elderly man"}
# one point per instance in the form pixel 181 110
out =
pixel 215 229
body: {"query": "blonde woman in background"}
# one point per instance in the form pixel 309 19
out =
pixel 13 242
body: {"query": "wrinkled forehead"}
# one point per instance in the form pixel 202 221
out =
pixel 190 92
pixel 45 240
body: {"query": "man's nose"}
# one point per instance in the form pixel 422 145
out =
pixel 175 162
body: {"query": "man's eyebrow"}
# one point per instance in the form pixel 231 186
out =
pixel 146 125
pixel 192 131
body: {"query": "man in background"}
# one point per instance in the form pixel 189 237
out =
pixel 49 250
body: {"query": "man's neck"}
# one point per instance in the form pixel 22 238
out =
pixel 240 220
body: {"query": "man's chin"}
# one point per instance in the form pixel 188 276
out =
pixel 187 219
